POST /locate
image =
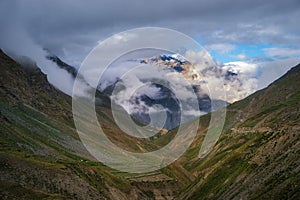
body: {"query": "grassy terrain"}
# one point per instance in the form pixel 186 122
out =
pixel 41 157
pixel 41 153
pixel 257 155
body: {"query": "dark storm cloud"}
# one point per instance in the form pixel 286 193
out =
pixel 74 26
pixel 71 28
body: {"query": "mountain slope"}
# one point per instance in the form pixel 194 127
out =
pixel 257 155
pixel 41 155
pixel 72 70
pixel 38 138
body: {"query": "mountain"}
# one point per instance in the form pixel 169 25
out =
pixel 102 98
pixel 41 153
pixel 166 98
pixel 179 64
pixel 72 70
pixel 174 62
pixel 256 157
pixel 143 101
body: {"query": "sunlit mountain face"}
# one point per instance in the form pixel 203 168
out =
pixel 143 79
pixel 145 76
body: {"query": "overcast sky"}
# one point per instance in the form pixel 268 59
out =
pixel 264 33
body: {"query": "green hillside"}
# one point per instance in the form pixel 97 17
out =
pixel 41 154
pixel 256 157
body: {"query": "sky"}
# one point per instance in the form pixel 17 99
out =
pixel 259 38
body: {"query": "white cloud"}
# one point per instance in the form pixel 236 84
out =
pixel 241 56
pixel 271 71
pixel 242 68
pixel 222 47
pixel 119 38
pixel 282 52
pixel 215 81
pixel 21 44
pixel 244 83
pixel 202 58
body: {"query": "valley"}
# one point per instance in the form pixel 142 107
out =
pixel 42 157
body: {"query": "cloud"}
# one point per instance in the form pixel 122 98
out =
pixel 282 52
pixel 242 68
pixel 241 56
pixel 244 83
pixel 202 58
pixel 15 41
pixel 271 71
pixel 71 28
pixel 222 48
